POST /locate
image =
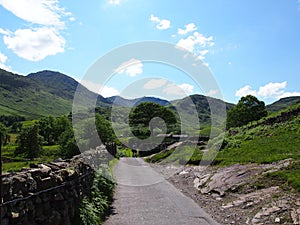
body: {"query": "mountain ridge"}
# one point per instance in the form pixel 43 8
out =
pixel 49 92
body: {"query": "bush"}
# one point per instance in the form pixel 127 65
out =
pixel 95 207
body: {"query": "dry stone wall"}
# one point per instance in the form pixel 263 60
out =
pixel 50 193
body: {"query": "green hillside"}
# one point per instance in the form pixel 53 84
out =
pixel 40 94
pixel 20 95
pixel 283 103
pixel 202 106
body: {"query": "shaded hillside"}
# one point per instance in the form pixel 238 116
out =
pixel 283 103
pixel 56 83
pixel 23 96
pixel 119 101
pixel 201 103
pixel 40 94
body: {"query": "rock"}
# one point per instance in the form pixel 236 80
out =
pixel 183 172
pixel 295 215
pixel 228 178
pixel 15 215
pixel 277 220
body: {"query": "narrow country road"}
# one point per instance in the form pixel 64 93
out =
pixel 144 197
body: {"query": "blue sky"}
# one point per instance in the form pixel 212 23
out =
pixel 251 47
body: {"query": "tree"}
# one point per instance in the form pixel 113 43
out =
pixel 46 129
pixel 248 109
pixel 140 117
pixel 29 142
pixel 68 145
pixel 104 129
pixel 4 135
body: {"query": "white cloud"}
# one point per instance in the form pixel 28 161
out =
pixel 178 90
pixel 155 83
pixel 35 44
pixel 288 94
pixel 272 89
pixel 188 28
pixel 162 24
pixel 268 91
pixel 46 19
pixel 194 41
pixel 201 54
pixel 187 88
pixel 132 68
pixel 5 32
pixel 105 91
pixel 244 91
pixel 114 2
pixel 3 59
pixel 213 92
pixel 109 91
pixel 42 12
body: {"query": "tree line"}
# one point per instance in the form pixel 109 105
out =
pixel 59 130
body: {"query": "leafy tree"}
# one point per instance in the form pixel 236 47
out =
pixel 47 129
pixel 29 142
pixel 248 109
pixel 51 128
pixel 4 135
pixel 16 126
pixel 104 129
pixel 68 145
pixel 140 117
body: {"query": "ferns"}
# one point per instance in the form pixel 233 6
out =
pixel 94 208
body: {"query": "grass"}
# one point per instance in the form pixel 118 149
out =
pixel 262 144
pixel 290 176
pixel 180 155
pixel 16 163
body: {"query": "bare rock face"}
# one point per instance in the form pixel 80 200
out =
pixel 240 194
pixel 228 178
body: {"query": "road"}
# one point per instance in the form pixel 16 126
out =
pixel 144 197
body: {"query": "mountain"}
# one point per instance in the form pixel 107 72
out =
pixel 283 103
pixel 39 94
pixel 51 93
pixel 202 106
pixel 20 95
pixel 119 101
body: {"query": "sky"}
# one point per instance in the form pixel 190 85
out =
pixel 249 47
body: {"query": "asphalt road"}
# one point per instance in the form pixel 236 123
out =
pixel 144 197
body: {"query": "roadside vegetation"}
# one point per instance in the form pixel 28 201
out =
pixel 95 208
pixel 264 140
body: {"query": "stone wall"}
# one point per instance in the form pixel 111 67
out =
pixel 50 193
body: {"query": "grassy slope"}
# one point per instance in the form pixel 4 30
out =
pixel 283 104
pixel 254 144
pixel 22 96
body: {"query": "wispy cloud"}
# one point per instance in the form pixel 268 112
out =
pixel 132 67
pixel 41 12
pixel 268 91
pixel 162 24
pixel 188 28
